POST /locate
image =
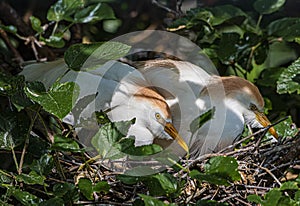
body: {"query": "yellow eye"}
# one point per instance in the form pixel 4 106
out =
pixel 253 107
pixel 157 116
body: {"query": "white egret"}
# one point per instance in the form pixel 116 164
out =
pixel 237 102
pixel 121 91
pixel 159 92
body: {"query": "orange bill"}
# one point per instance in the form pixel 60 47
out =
pixel 263 120
pixel 170 129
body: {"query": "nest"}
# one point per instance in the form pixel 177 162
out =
pixel 263 165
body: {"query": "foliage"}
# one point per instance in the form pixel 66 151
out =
pixel 50 167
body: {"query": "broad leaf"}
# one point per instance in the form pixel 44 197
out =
pixel 107 140
pixel 36 24
pixel 53 201
pixel 285 129
pixel 97 53
pixel 44 165
pixel 32 178
pixel 162 184
pixel 254 198
pixel 268 6
pixel 289 185
pixel 219 170
pixel 26 198
pixel 63 9
pixel 228 47
pixel 287 28
pixel 151 201
pixel 127 146
pixel 199 121
pixel 58 100
pixel 226 13
pixel 272 197
pixel 13 129
pixel 65 144
pixel 55 41
pixel 12 29
pixel 93 13
pixel 288 80
pixel 66 191
pixel 87 188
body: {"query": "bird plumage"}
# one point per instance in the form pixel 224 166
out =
pixel 117 89
pixel 162 93
pixel 195 92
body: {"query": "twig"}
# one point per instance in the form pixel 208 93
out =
pixel 155 2
pixel 269 172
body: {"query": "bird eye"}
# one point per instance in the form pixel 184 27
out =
pixel 157 116
pixel 253 107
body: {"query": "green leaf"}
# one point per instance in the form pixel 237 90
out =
pixel 268 6
pixel 53 201
pixel 58 100
pixel 289 185
pixel 226 13
pixel 272 197
pixel 77 54
pixel 101 186
pixel 55 41
pixel 223 165
pixel 286 82
pixel 94 13
pixel 127 146
pixel 26 198
pixel 87 188
pixel 31 179
pixel 151 201
pixel 63 9
pixel 162 184
pixel 111 25
pixel 129 180
pixel 13 129
pixel 66 191
pixel 11 29
pixel 254 198
pixel 43 165
pixel 270 76
pixel 297 196
pixel 5 177
pixel 219 170
pixel 36 24
pixel 107 141
pixel 285 128
pixel 288 28
pixel 65 144
pixel 228 47
pixel 203 118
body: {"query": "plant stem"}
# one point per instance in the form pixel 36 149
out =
pixel 258 22
pixel 27 141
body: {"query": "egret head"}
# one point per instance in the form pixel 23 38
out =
pixel 249 101
pixel 153 118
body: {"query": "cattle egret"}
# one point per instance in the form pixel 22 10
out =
pixel 166 94
pixel 121 91
pixel 237 102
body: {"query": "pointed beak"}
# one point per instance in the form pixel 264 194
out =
pixel 263 120
pixel 170 129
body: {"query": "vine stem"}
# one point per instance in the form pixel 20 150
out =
pixel 27 141
pixel 258 22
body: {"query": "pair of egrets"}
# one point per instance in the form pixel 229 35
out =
pixel 165 97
